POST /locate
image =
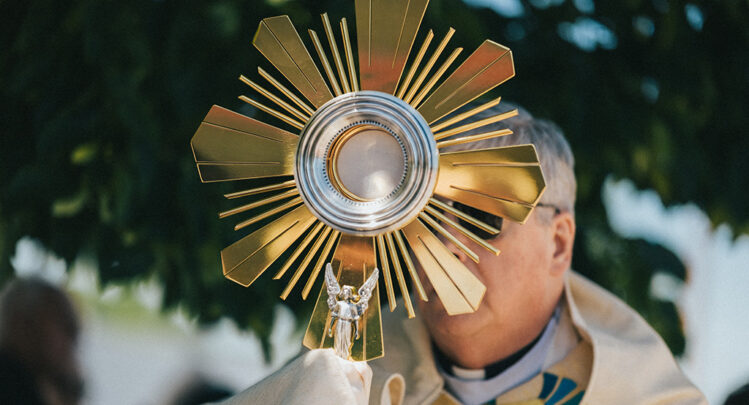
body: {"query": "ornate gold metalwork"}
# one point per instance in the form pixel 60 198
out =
pixel 351 122
pixel 488 67
pixel 332 240
pixel 506 182
pixel 386 30
pixel 415 64
pixel 325 63
pixel 272 97
pixel 230 146
pixel 260 190
pixel 298 101
pixel 245 260
pixel 476 124
pixel 428 66
pixel 470 113
pixel 277 39
pixel 457 288
pixel 336 54
pixel 382 252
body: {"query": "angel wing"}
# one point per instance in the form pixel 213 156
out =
pixel 333 287
pixel 365 291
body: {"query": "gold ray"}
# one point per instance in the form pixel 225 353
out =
pixel 442 231
pixel 399 276
pixel 487 67
pixel 473 138
pixel 277 39
pixel 415 64
pixel 462 116
pixel 349 56
pixel 230 146
pixel 281 116
pixel 436 76
pixel 470 235
pixel 386 271
pixel 503 181
pixel 353 261
pixel 428 66
pixel 260 190
pixel 336 54
pixel 288 93
pixel 272 97
pixel 476 124
pixel 299 249
pixel 245 260
pixel 305 262
pixel 283 207
pixel 457 288
pixel 465 217
pixel 386 31
pixel 320 263
pixel 325 64
pixel 260 203
pixel 410 266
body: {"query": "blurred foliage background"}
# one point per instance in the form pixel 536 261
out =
pixel 100 100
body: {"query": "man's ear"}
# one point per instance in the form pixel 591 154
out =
pixel 563 228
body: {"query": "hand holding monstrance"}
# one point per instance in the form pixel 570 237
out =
pixel 346 312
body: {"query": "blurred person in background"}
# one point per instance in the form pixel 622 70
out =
pixel 39 330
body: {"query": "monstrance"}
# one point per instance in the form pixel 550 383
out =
pixel 371 182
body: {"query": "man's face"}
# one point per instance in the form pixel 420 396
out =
pixel 523 284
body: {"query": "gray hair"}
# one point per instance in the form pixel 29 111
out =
pixel 557 161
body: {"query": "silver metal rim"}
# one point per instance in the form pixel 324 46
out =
pixel 324 197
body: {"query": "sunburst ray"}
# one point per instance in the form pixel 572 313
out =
pixel 281 116
pixel 261 190
pixel 286 92
pixel 486 68
pixel 503 181
pixel 332 242
pixel 283 207
pixel 465 115
pixel 325 64
pixel 299 249
pixel 442 231
pixel 272 97
pixel 386 31
pixel 336 54
pixel 457 288
pixel 470 235
pixel 349 56
pixel 385 268
pixel 277 39
pixel 245 260
pixel 231 146
pixel 403 86
pixel 260 203
pixel 430 63
pixel 401 279
pixel 476 124
pixel 306 261
pixel 407 260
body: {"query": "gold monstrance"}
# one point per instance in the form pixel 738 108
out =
pixel 366 164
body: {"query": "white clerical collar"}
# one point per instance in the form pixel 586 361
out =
pixel 471 387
